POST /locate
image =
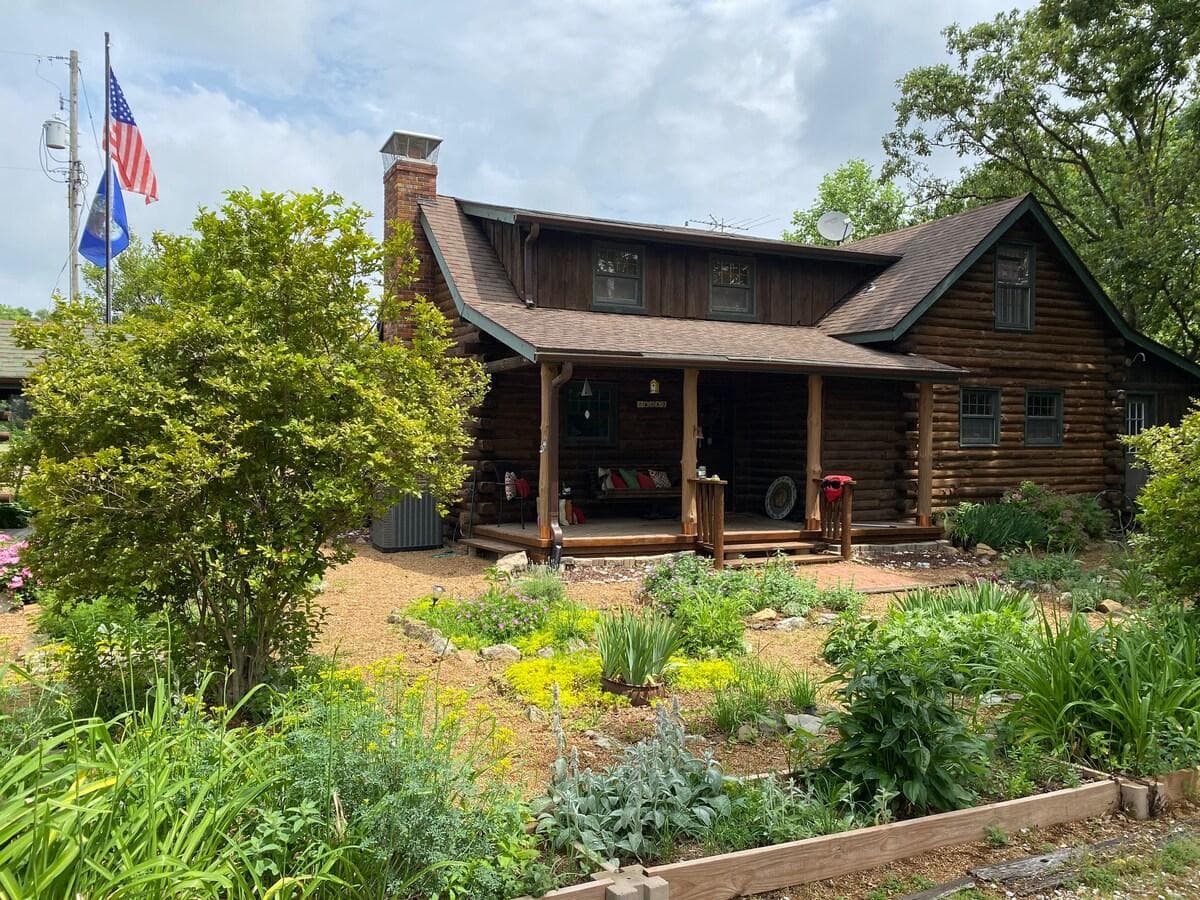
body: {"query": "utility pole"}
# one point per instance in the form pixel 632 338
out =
pixel 74 176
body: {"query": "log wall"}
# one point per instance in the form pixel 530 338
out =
pixel 788 291
pixel 1072 348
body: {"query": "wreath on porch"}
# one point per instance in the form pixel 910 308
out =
pixel 781 497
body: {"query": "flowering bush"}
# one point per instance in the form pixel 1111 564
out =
pixel 14 576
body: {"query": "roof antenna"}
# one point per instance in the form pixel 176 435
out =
pixel 712 223
pixel 835 226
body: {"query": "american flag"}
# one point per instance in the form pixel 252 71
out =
pixel 128 152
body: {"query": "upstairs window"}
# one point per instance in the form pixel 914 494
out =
pixel 731 287
pixel 1014 286
pixel 617 277
pixel 979 417
pixel 1043 418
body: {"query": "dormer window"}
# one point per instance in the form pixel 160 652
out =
pixel 1014 287
pixel 617 277
pixel 731 287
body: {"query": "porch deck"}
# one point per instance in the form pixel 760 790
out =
pixel 631 536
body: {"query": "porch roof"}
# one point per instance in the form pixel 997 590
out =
pixel 484 295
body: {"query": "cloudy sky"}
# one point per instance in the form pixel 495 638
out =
pixel 658 111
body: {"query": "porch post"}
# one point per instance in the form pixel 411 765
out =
pixel 812 437
pixel 687 489
pixel 547 498
pixel 925 454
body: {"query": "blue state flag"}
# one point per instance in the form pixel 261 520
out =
pixel 91 243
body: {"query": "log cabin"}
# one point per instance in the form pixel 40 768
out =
pixel 658 388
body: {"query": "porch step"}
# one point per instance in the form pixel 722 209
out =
pixel 490 545
pixel 799 559
pixel 773 546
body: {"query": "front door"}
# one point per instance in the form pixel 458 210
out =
pixel 716 414
pixel 1140 413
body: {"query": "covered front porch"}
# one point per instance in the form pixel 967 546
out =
pixel 720 439
pixel 745 534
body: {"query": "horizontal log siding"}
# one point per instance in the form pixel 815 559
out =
pixel 864 437
pixel 1072 348
pixel 787 291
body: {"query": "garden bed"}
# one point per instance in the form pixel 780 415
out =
pixel 745 872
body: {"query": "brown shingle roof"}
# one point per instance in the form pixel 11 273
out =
pixel 679 234
pixel 15 362
pixel 929 253
pixel 490 300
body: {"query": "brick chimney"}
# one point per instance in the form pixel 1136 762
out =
pixel 410 174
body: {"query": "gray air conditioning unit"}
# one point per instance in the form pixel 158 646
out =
pixel 413 523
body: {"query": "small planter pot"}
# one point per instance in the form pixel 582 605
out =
pixel 638 694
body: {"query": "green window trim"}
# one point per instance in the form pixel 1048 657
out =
pixel 979 417
pixel 732 290
pixel 1015 290
pixel 618 277
pixel 1043 417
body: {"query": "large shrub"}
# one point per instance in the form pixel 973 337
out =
pixel 204 454
pixel 1170 504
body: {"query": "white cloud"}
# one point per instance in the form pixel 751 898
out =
pixel 658 111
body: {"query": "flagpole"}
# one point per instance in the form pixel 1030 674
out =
pixel 108 185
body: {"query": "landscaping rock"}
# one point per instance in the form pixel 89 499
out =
pixel 1065 598
pixel 533 714
pixel 545 653
pixel 575 645
pixel 7 605
pixel 765 615
pixel 984 550
pixel 417 630
pixel 804 722
pixel 1110 607
pixel 603 741
pixel 395 617
pixel 791 623
pixel 502 652
pixel 992 698
pixel 747 733
pixel 826 618
pixel 513 562
pixel 442 646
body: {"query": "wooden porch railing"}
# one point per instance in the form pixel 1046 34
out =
pixel 710 516
pixel 836 517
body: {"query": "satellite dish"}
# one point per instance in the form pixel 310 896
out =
pixel 835 226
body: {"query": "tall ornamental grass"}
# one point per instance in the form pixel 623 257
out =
pixel 1120 697
pixel 160 804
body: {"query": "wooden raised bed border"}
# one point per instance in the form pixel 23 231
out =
pixel 763 869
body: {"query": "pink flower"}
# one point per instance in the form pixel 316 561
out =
pixel 16 583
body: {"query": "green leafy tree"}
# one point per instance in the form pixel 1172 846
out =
pixel 205 454
pixel 1091 105
pixel 135 280
pixel 1170 503
pixel 21 312
pixel 875 205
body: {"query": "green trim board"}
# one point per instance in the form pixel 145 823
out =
pixel 1033 207
pixel 469 313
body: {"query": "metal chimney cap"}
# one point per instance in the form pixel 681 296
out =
pixel 411 145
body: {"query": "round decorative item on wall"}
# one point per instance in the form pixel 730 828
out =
pixel 781 497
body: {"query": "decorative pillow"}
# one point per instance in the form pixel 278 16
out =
pixel 661 479
pixel 616 482
pixel 645 482
pixel 629 476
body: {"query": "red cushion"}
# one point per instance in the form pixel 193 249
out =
pixel 645 481
pixel 618 483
